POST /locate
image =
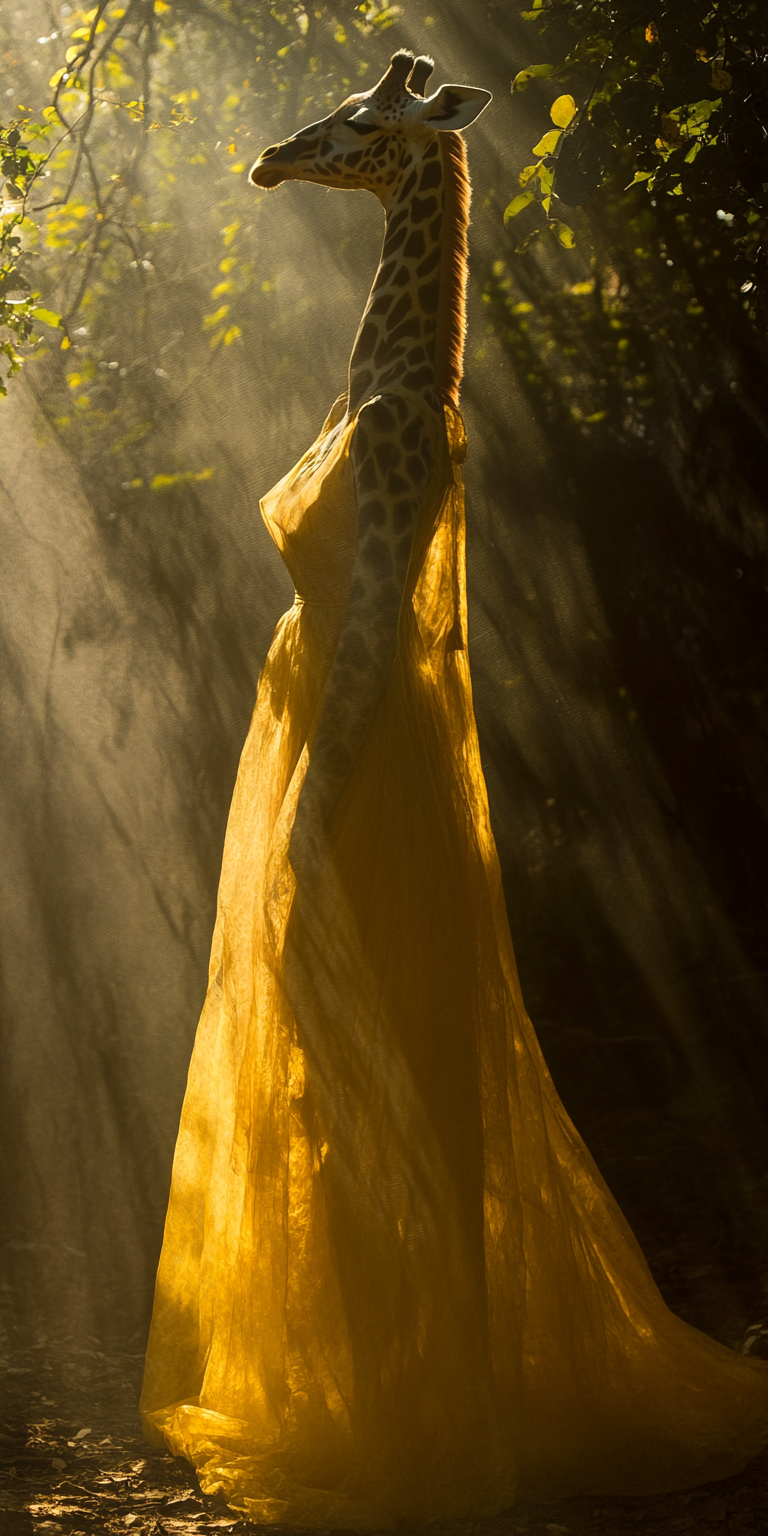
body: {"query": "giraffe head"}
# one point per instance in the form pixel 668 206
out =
pixel 362 144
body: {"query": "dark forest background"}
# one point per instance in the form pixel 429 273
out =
pixel 615 398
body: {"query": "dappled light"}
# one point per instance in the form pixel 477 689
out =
pixel 173 339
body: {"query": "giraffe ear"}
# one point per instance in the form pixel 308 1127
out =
pixel 453 106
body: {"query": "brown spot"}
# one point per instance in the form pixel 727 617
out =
pixel 356 652
pixel 396 485
pixel 366 343
pixel 363 382
pixel 387 454
pixel 402 276
pixel 393 242
pixel 355 158
pixel 435 227
pixel 376 555
pixel 385 274
pixel 408 187
pixel 365 475
pixel 415 468
pixel 417 379
pixel 402 513
pixel 410 327
pixel 415 245
pixel 402 308
pixel 422 208
pixel 432 151
pixel 372 513
pixel 428 296
pixel 380 306
pixel 411 435
pixel 431 176
pixel 429 263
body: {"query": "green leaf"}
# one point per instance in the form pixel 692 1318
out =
pixel 47 316
pixel 534 72
pixel 517 205
pixel 638 176
pixel 546 145
pixel 563 110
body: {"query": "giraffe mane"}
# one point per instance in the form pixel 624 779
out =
pixel 452 317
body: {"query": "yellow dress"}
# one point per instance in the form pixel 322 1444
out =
pixel 393 1284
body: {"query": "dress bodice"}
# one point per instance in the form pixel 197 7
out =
pixel 312 512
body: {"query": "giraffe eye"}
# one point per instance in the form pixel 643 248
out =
pixel 362 127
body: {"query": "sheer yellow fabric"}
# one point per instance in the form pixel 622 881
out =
pixel 393 1284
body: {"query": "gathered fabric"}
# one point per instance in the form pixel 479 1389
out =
pixel 393 1284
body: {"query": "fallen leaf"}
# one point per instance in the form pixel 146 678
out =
pixel 81 1434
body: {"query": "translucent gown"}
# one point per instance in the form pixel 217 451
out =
pixel 393 1284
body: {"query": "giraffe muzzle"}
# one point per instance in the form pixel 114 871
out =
pixel 271 168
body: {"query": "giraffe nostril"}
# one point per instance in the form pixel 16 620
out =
pixel 272 150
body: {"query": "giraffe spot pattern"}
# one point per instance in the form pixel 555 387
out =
pixel 428 296
pixel 378 555
pixel 415 245
pixel 431 176
pixel 422 208
pixel 429 263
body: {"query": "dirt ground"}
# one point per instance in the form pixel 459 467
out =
pixel 72 1460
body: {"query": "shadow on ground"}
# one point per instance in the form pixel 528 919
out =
pixel 72 1459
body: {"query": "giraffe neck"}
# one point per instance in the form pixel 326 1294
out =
pixel 412 330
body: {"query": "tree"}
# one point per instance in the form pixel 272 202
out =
pixel 672 100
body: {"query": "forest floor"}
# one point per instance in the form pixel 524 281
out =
pixel 73 1463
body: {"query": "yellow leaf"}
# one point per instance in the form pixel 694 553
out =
pixel 721 79
pixel 65 344
pixel 525 175
pixel 651 32
pixel 535 71
pixel 220 289
pixel 564 234
pixel 546 145
pixel 47 315
pixel 231 335
pixel 210 320
pixel 563 110
pixel 161 6
pixel 517 205
pixel 237 170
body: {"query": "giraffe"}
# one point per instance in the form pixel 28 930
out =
pixel 408 151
